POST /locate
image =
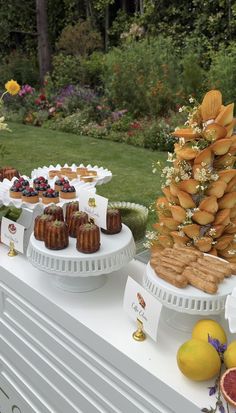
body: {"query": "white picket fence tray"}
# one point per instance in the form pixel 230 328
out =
pixel 74 271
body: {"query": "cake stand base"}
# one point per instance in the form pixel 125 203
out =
pixel 78 284
pixel 182 321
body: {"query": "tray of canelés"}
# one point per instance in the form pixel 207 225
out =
pixel 71 245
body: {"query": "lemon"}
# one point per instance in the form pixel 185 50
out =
pixel 203 328
pixel 198 360
pixel 230 355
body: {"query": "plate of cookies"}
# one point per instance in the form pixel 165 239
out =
pixel 187 280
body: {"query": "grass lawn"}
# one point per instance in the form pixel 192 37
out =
pixel 30 147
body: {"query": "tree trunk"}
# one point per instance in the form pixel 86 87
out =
pixel 136 6
pixel 106 28
pixel 124 5
pixel 141 6
pixel 44 54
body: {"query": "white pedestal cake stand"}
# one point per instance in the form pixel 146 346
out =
pixel 74 271
pixel 183 306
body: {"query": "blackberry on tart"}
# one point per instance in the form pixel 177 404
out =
pixel 39 180
pixel 22 181
pixel 50 196
pixel 59 183
pixel 30 195
pixel 42 187
pixel 68 192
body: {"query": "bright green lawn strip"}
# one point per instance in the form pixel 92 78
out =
pixel 30 147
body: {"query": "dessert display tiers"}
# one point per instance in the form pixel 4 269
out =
pixel 180 305
pixel 77 272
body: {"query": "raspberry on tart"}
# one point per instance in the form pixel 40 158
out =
pixel 50 196
pixel 39 180
pixel 68 192
pixel 16 190
pixel 59 183
pixel 30 195
pixel 42 187
pixel 22 181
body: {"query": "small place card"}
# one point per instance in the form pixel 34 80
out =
pixel 11 231
pixel 139 303
pixel 95 206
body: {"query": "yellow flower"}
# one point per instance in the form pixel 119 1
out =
pixel 12 87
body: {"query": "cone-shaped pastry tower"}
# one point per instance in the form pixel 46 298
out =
pixel 198 208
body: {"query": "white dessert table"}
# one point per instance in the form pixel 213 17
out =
pixel 64 352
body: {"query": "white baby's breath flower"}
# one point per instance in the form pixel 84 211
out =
pixel 232 252
pixel 150 235
pixel 212 232
pixel 191 100
pixel 154 170
pixel 181 141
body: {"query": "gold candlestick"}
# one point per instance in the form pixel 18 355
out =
pixel 12 252
pixel 139 334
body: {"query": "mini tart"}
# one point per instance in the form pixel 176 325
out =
pixel 59 183
pixel 30 195
pixel 64 170
pixel 50 196
pixel 54 172
pixel 87 178
pixel 41 188
pixel 39 180
pixel 68 192
pixel 15 192
pixel 71 175
pixel 92 173
pixel 81 170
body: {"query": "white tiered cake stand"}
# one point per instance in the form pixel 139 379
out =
pixel 74 271
pixel 183 306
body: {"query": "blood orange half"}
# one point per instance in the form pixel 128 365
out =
pixel 228 386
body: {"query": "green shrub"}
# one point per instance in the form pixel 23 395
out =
pixel 91 69
pixel 142 76
pixel 222 73
pixel 20 67
pixel 157 136
pixel 66 70
pixel 80 39
pixel 73 123
pixel 193 75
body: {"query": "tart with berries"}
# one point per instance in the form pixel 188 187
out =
pixel 30 195
pixel 50 196
pixel 39 180
pixel 42 187
pixel 16 190
pixel 59 183
pixel 68 192
pixel 22 181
